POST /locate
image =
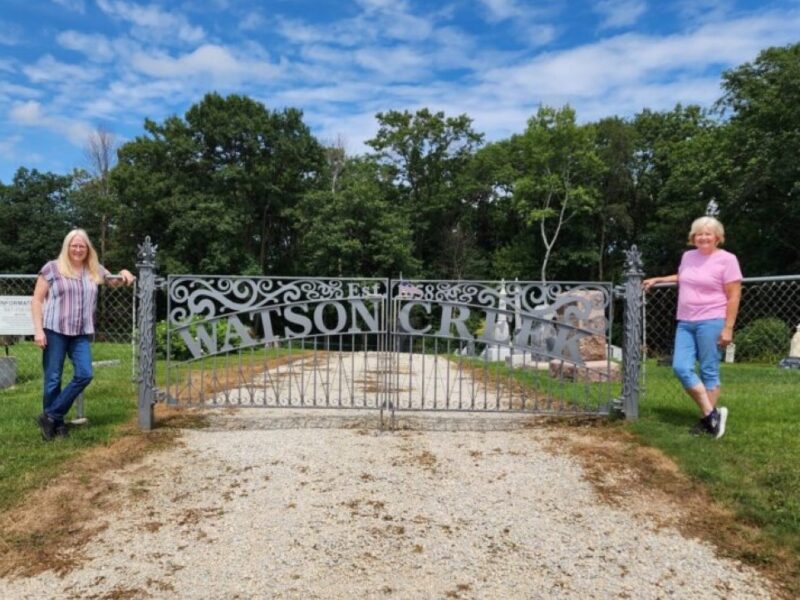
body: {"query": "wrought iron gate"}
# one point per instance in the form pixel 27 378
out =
pixel 389 344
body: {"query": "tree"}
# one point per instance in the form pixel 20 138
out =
pixel 216 188
pixel 94 202
pixel 762 99
pixel 662 208
pixel 429 154
pixel 615 142
pixel 356 230
pixel 34 217
pixel 560 169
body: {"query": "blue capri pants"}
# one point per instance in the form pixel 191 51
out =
pixel 696 341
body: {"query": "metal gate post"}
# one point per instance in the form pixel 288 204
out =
pixel 632 333
pixel 146 323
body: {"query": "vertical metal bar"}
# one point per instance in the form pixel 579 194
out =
pixel 315 365
pixel 341 369
pixel 410 369
pixel 327 370
pixel 632 325
pixel 436 372
pixel 353 369
pixel 303 371
pixel 290 376
pixel 424 360
pixel 146 321
pixel 447 375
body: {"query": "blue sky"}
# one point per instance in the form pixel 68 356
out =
pixel 70 66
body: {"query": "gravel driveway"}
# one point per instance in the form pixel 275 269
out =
pixel 291 504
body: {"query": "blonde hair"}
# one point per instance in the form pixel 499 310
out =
pixel 711 223
pixel 92 263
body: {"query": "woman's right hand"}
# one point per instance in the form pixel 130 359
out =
pixel 40 339
pixel 648 283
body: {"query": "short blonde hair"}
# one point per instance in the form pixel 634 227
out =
pixel 92 262
pixel 711 223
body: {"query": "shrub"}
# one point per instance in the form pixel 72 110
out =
pixel 763 340
pixel 178 348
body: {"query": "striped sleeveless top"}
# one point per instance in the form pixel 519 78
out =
pixel 70 303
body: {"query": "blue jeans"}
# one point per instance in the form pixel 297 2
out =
pixel 697 341
pixel 57 402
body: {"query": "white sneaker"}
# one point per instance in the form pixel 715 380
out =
pixel 718 428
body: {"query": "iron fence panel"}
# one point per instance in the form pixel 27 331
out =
pixel 769 314
pixel 113 344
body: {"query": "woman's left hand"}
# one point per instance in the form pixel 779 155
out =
pixel 726 337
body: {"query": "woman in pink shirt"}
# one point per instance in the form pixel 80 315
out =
pixel 709 289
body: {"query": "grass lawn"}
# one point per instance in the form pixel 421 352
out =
pixel 25 461
pixel 755 468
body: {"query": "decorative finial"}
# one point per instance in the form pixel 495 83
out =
pixel 147 253
pixel 712 209
pixel 633 261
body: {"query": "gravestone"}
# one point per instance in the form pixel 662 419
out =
pixel 8 371
pixel 793 360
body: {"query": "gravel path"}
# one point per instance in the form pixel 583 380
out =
pixel 280 504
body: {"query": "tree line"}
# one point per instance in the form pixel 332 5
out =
pixel 234 187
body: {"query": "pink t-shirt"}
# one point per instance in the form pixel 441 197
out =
pixel 701 284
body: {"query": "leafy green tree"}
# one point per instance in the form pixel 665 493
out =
pixel 34 218
pixel 215 189
pixel 762 99
pixel 503 238
pixel 356 229
pixel 429 154
pixel 663 205
pixel 615 143
pixel 558 179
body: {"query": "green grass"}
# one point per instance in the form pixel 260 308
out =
pixel 755 468
pixel 26 462
pixel 589 396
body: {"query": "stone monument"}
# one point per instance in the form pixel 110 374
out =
pixel 501 333
pixel 793 360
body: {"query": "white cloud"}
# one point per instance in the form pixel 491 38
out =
pixel 209 60
pixel 27 113
pixel 11 91
pixel 32 114
pixel 10 34
pixel 619 13
pixel 153 22
pixel 78 6
pixel 48 70
pixel 252 21
pixel 96 47
pixel 398 64
pixel 8 146
pixel 500 10
pixel 702 11
pixel 632 61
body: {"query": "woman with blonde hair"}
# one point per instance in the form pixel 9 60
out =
pixel 63 306
pixel 709 289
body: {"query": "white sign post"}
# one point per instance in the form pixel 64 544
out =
pixel 15 315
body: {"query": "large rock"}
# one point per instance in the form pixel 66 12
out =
pixel 587 312
pixel 593 371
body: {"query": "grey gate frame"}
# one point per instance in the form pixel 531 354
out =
pixel 381 344
pixel 388 345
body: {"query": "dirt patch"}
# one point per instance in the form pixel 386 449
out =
pixel 199 384
pixel 50 526
pixel 651 486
